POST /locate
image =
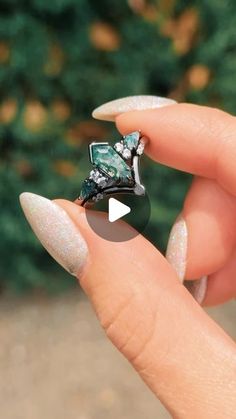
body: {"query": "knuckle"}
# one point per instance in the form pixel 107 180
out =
pixel 132 330
pixel 136 329
pixel 116 322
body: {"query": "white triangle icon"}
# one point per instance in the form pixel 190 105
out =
pixel 116 210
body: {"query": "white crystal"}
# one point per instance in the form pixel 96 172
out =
pixel 98 197
pixel 140 149
pixel 119 147
pixel 126 153
pixel 95 175
pixel 102 181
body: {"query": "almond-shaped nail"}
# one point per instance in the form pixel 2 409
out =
pixel 110 110
pixel 176 252
pixel 56 231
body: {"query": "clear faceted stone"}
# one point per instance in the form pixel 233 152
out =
pixel 95 175
pixel 102 181
pixel 98 197
pixel 119 147
pixel 126 153
pixel 140 149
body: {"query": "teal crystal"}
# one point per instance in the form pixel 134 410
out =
pixel 89 187
pixel 108 160
pixel 131 140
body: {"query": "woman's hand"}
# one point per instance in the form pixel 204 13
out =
pixel 183 356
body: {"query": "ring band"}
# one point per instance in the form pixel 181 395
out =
pixel 115 169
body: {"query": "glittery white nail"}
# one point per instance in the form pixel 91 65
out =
pixel 56 231
pixel 110 110
pixel 177 247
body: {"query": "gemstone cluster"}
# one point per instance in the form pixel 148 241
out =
pixel 112 167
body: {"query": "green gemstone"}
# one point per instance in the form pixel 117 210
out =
pixel 108 160
pixel 88 188
pixel 131 140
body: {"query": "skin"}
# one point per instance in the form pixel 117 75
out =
pixel 184 357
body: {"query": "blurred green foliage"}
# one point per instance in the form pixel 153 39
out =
pixel 61 58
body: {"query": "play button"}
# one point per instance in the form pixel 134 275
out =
pixel 117 210
pixel 119 220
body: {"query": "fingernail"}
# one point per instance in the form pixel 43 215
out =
pixel 176 252
pixel 56 231
pixel 197 288
pixel 110 110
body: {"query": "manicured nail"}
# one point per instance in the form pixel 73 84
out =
pixel 110 110
pixel 197 288
pixel 177 247
pixel 56 231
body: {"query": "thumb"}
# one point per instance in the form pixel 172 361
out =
pixel 181 354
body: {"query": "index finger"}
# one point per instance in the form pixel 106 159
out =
pixel 195 139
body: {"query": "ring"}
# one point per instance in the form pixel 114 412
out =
pixel 115 169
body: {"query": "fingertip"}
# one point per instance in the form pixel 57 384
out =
pixel 184 136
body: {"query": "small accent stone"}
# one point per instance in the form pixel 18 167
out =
pixel 98 197
pixel 102 181
pixel 95 175
pixel 126 153
pixel 119 147
pixel 98 177
pixel 140 149
pixel 131 140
